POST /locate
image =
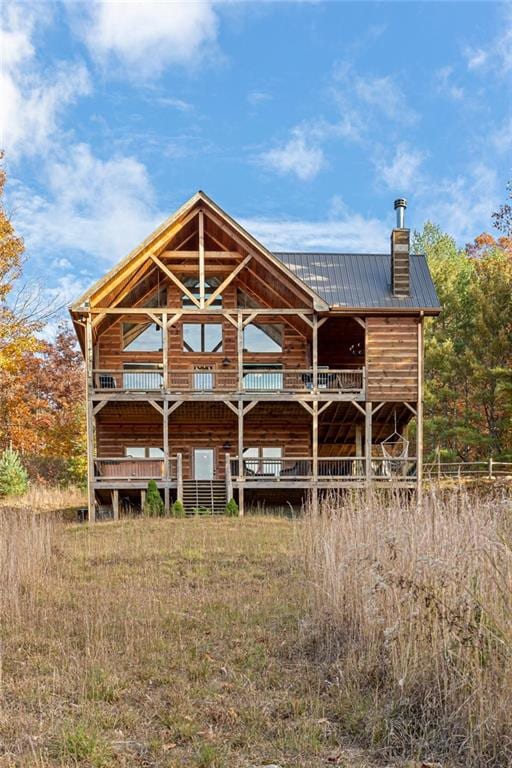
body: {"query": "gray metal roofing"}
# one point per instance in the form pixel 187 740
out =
pixel 361 279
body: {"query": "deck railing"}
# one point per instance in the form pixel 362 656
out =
pixel 261 379
pixel 128 468
pixel 346 468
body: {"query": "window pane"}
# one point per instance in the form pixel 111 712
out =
pixel 212 337
pixel 135 452
pixel 192 337
pixel 274 453
pixel 263 338
pixel 156 453
pixel 142 337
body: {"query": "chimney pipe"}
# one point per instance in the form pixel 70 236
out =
pixel 400 253
pixel 400 206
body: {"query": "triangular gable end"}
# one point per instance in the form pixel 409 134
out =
pixel 136 262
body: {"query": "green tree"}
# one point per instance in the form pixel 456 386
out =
pixel 153 505
pixel 13 476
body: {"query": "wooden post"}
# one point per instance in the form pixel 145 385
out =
pixel 165 351
pixel 142 499
pixel 240 441
pixel 115 503
pixel 179 476
pixel 241 500
pixel 229 480
pixel 167 503
pixel 419 415
pixel 89 361
pixel 315 352
pixel 240 350
pixel 368 443
pixel 201 261
pixel 314 441
pixel 359 450
pixel 165 424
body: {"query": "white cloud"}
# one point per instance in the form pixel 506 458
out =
pixel 258 97
pixel 463 206
pixel 497 55
pixel 348 231
pixel 32 100
pixel 145 37
pixel 300 156
pixel 445 85
pixel 476 57
pixel 101 209
pixel 401 173
pixel 384 94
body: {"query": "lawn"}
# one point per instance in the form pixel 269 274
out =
pixel 164 643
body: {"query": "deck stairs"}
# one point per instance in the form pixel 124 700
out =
pixel 204 497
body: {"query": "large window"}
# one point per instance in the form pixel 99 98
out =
pixel 143 452
pixel 263 460
pixel 210 286
pixel 202 337
pixel 263 337
pixel 142 337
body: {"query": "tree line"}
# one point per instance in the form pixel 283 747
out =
pixel 468 358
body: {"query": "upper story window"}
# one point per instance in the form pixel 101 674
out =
pixel 202 337
pixel 263 337
pixel 211 285
pixel 142 337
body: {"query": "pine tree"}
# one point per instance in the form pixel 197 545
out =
pixel 13 476
pixel 153 506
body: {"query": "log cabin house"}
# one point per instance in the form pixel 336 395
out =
pixel 220 369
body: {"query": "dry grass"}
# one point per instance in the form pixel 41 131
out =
pixel 159 643
pixel 47 498
pixel 413 609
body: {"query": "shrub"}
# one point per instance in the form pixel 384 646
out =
pixel 153 505
pixel 13 475
pixel 232 508
pixel 178 510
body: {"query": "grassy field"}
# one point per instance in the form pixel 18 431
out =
pixel 159 643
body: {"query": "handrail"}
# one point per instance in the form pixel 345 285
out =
pixel 203 379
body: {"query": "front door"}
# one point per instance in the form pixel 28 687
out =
pixel 203 463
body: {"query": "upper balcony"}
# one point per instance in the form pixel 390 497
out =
pixel 204 382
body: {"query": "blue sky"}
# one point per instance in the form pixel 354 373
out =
pixel 304 120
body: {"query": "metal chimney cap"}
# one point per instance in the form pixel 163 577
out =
pixel 401 202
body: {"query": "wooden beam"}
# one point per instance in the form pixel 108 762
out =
pixel 190 311
pixel 419 416
pixel 202 285
pixel 174 407
pixel 249 319
pixel 115 502
pixel 411 408
pixel 174 319
pixel 231 407
pixel 175 280
pixel 89 362
pixel 368 443
pixel 359 407
pixel 165 419
pixel 97 408
pixel 165 350
pixel 250 406
pixel 306 406
pixel 194 255
pixel 228 280
pixel 324 407
pixel 314 346
pixel 361 322
pixel 156 407
pixel 240 350
pixel 377 408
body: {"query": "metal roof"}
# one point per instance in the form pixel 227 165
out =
pixel 362 280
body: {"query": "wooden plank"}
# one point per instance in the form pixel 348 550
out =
pixel 115 503
pixel 419 416
pixel 368 443
pixel 194 255
pixel 228 280
pixel 202 285
pixel 89 356
pixel 175 280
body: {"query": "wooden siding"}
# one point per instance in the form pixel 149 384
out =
pixel 204 425
pixel 392 358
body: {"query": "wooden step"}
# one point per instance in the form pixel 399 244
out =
pixel 204 494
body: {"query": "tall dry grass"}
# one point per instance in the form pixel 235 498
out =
pixel 414 609
pixel 48 498
pixel 26 540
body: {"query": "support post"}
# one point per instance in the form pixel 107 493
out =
pixel 240 441
pixel 315 352
pixel 241 501
pixel 179 476
pixel 201 261
pixel 167 503
pixel 359 450
pixel 229 480
pixel 89 357
pixel 240 350
pixel 419 415
pixel 115 503
pixel 314 490
pixel 165 425
pixel 165 351
pixel 142 499
pixel 368 443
